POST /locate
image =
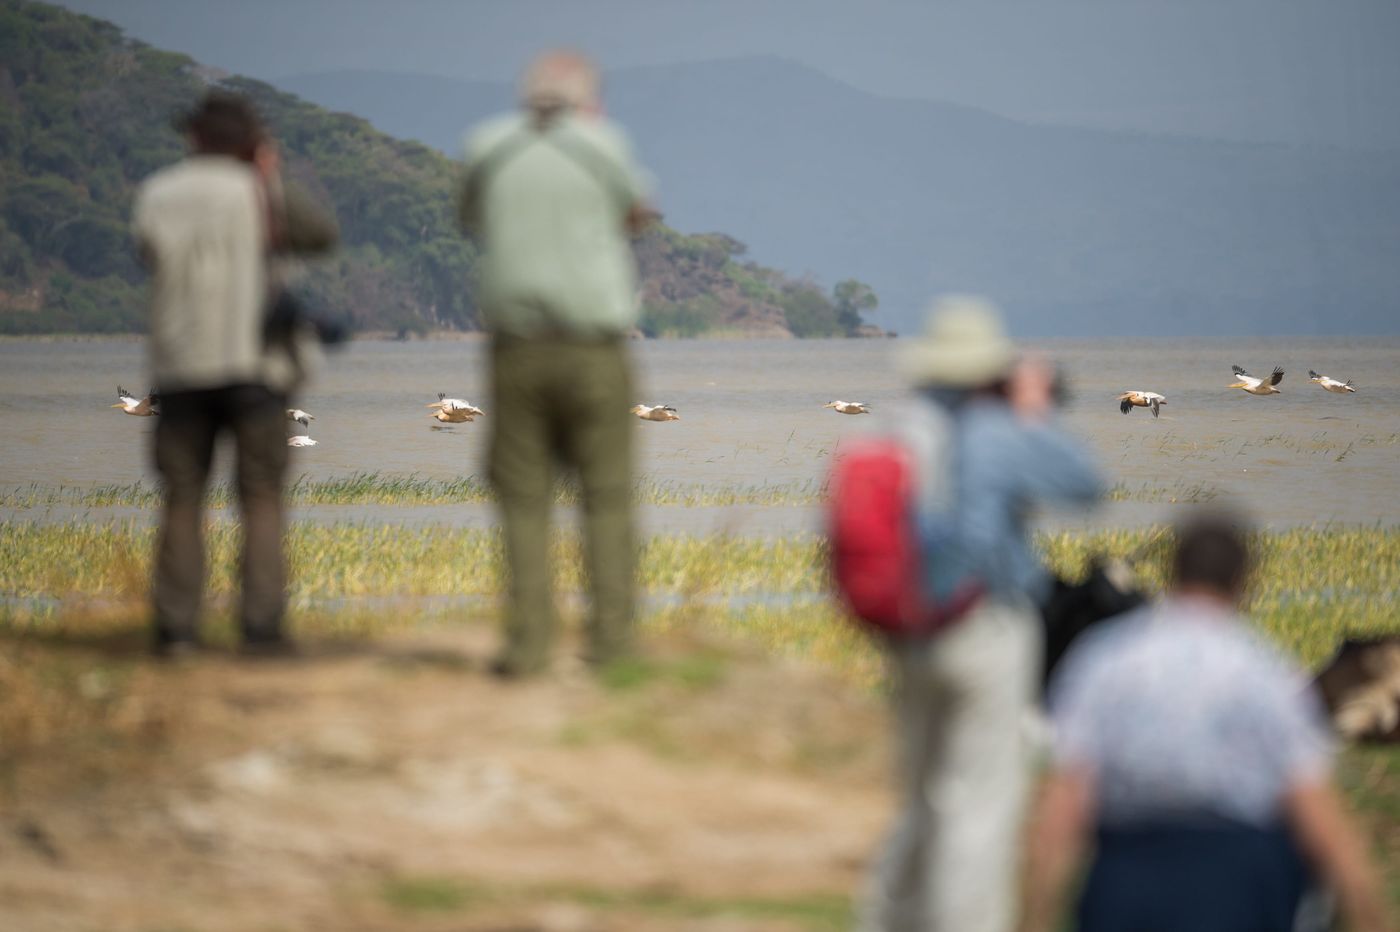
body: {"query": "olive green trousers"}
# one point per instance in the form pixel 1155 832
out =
pixel 559 402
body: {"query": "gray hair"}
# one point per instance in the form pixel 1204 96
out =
pixel 560 80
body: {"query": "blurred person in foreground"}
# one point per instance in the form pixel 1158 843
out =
pixel 1195 754
pixel 552 196
pixel 989 449
pixel 212 229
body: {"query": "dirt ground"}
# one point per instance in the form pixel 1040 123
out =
pixel 395 785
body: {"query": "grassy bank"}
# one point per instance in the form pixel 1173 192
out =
pixel 84 711
pixel 375 488
pixel 1312 585
pixel 378 488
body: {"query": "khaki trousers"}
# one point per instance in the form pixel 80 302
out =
pixel 186 429
pixel 952 862
pixel 562 402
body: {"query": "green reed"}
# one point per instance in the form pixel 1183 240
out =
pixel 1312 584
pixel 376 488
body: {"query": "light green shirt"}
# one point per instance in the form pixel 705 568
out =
pixel 549 209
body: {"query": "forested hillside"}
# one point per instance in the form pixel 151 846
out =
pixel 85 115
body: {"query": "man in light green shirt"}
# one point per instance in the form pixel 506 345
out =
pixel 551 195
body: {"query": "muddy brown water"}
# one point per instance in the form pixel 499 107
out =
pixel 752 415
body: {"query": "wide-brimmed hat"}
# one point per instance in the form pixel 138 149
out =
pixel 963 345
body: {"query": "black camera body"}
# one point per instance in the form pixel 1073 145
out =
pixel 288 312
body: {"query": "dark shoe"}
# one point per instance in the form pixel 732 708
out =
pixel 507 668
pixel 176 649
pixel 269 649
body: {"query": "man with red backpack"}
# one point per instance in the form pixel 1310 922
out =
pixel 966 669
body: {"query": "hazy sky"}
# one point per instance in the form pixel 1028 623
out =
pixel 1284 70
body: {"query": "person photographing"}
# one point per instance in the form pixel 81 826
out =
pixel 212 229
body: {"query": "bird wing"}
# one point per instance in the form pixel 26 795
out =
pixel 1125 405
pixel 1239 370
pixel 1277 375
pixel 1156 405
pixel 1314 375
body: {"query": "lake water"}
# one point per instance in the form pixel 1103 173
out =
pixel 751 415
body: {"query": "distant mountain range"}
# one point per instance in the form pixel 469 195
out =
pixel 1074 231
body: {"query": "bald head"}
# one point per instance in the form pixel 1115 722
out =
pixel 560 80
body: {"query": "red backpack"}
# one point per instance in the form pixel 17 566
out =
pixel 874 545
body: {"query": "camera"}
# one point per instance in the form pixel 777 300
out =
pixel 288 312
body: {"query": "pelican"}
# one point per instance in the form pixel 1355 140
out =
pixel 300 416
pixel 1331 384
pixel 141 407
pixel 445 405
pixel 848 407
pixel 300 440
pixel 1258 386
pixel 656 412
pixel 1134 399
pixel 454 415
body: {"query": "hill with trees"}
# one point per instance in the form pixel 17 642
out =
pixel 85 115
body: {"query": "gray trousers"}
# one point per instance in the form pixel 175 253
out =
pixel 952 862
pixel 188 425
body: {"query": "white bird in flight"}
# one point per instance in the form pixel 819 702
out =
pixel 848 407
pixel 1257 386
pixel 456 406
pixel 656 412
pixel 141 407
pixel 1135 399
pixel 300 416
pixel 1331 384
pixel 300 440
pixel 453 415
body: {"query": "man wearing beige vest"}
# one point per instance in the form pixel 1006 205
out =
pixel 551 195
pixel 208 228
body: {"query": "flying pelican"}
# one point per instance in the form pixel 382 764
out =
pixel 454 415
pixel 446 404
pixel 1129 400
pixel 300 416
pixel 141 407
pixel 656 412
pixel 300 440
pixel 1331 384
pixel 1258 386
pixel 848 407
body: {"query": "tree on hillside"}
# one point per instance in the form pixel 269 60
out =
pixel 851 298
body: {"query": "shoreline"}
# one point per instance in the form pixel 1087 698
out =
pixel 716 335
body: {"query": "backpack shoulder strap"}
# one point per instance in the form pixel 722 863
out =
pixel 569 144
pixel 485 168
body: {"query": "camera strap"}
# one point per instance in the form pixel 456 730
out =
pixel 576 149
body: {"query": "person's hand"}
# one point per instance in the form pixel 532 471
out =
pixel 267 159
pixel 1031 392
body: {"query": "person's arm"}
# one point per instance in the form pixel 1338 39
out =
pixel 1060 467
pixel 1332 843
pixel 1055 846
pixel 308 229
pixel 297 225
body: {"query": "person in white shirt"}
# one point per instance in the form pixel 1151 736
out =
pixel 1197 756
pixel 208 228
